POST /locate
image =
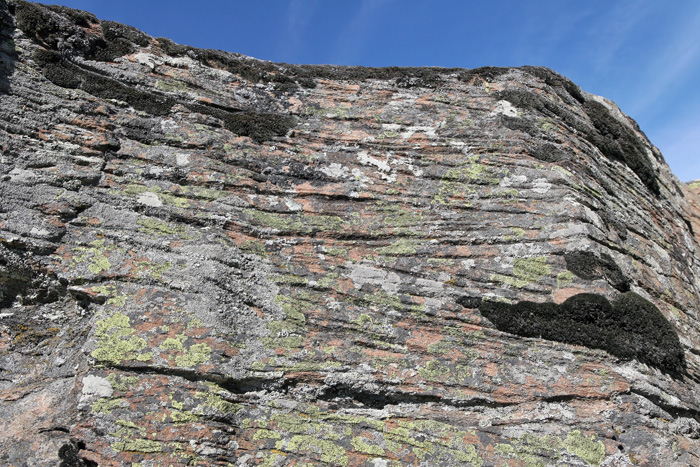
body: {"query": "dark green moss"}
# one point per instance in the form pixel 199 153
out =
pixel 256 125
pixel 614 140
pixel 112 30
pixel 38 23
pixel 588 266
pixel 69 75
pixel 563 86
pixel 630 327
pixel 79 17
pixel 469 302
pixel 548 152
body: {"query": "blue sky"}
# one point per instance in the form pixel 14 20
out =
pixel 642 54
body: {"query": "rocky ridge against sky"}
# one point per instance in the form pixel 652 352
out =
pixel 208 259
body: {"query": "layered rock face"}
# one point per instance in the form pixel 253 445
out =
pixel 208 259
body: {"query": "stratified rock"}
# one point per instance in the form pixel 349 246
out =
pixel 209 259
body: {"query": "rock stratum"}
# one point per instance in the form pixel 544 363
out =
pixel 208 259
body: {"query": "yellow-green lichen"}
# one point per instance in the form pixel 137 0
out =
pixel 138 445
pixel 253 247
pixel 586 448
pixel 290 279
pixel 296 222
pixel 106 405
pixel 171 86
pixel 174 343
pixel 195 355
pixel 153 226
pixel 111 291
pixel 517 233
pixel 443 346
pixel 531 269
pixel 116 342
pixel 539 451
pixel 266 434
pixel 154 270
pixel 121 382
pixel 564 279
pixel 213 400
pixel 328 451
pixel 95 253
pixel 401 247
pixel 360 444
pixel 434 370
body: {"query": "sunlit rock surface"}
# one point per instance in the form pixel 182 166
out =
pixel 208 259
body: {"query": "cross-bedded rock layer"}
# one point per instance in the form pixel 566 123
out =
pixel 209 259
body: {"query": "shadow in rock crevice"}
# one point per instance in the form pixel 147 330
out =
pixel 8 55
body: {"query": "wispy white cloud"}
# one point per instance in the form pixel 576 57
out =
pixel 671 66
pixel 612 30
pixel 299 17
pixel 679 141
pixel 352 41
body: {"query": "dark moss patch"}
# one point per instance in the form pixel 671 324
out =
pixel 112 31
pixel 117 40
pixel 588 266
pixel 79 17
pixel 38 23
pixel 630 327
pixel 469 302
pixel 69 454
pixel 256 125
pixel 548 152
pixel 564 87
pixel 69 75
pixel 614 140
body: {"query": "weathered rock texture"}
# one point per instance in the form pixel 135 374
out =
pixel 208 259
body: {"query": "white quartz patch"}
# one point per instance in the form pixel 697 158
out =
pixel 97 386
pixel 505 108
pixel 150 199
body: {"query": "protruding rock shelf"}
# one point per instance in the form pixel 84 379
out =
pixel 208 259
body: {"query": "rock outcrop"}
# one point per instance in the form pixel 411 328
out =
pixel 208 259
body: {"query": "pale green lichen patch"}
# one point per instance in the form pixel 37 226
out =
pixel 564 279
pixel 95 254
pixel 531 269
pixel 361 444
pixel 111 291
pixel 171 85
pixel 153 269
pixel 122 382
pixel 460 181
pixel 328 451
pixel 586 448
pixel 138 445
pixel 526 271
pixel 296 222
pixel 154 226
pixel 106 405
pixel 539 451
pixel 194 355
pixel 434 370
pixel 401 247
pixel 253 247
pixel 135 190
pixel 116 342
pixel 212 400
